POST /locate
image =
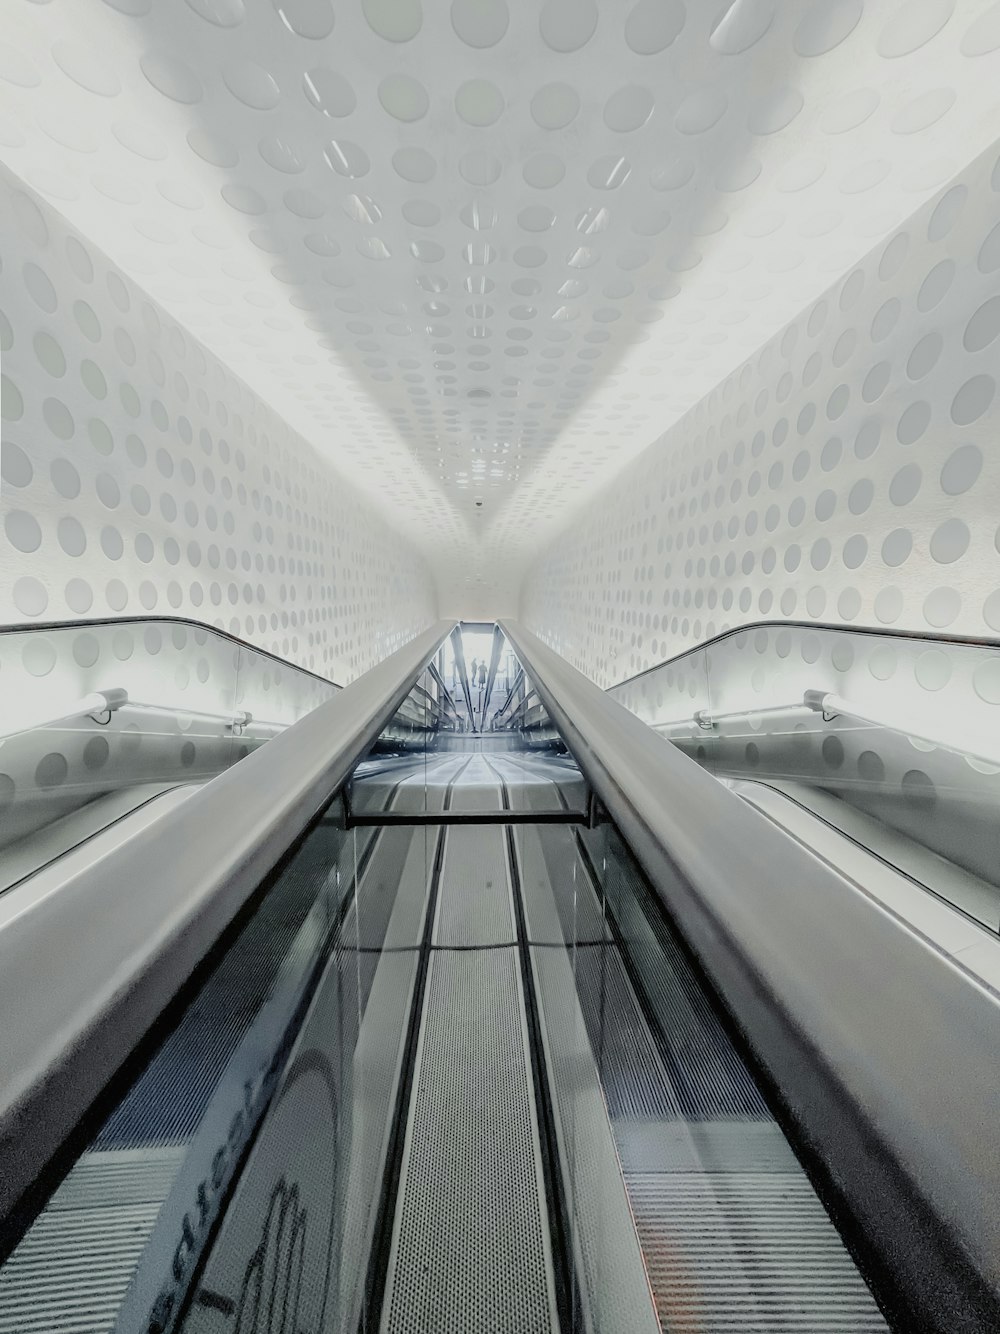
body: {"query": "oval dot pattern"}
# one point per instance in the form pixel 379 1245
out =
pixel 140 476
pixel 292 179
pixel 806 486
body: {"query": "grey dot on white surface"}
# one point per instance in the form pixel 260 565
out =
pixel 30 597
pixel 941 607
pixel 961 470
pixel 897 547
pixel 22 530
pixel 988 258
pixel 905 484
pixel 973 399
pixel 15 466
pixel 949 542
pixel 71 536
pixel 983 327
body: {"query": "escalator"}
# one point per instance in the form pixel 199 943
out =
pixel 450 1066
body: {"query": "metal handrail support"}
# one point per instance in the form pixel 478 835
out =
pixel 883 1050
pixel 88 966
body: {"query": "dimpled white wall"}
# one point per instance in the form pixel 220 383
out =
pixel 848 472
pixel 139 475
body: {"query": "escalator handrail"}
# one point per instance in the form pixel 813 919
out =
pixel 88 966
pixel 883 1048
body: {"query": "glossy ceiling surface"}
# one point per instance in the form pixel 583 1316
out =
pixel 486 251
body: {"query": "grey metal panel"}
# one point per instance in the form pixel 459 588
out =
pixel 470 1247
pixel 474 905
pixel 885 1050
pixel 84 973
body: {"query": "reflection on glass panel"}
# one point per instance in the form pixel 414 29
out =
pixel 891 741
pixel 97 720
pixel 679 1179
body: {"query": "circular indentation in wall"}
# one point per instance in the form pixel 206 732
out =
pixel 71 536
pixel 544 170
pixel 849 110
pixel 252 85
pixel 986 681
pixel 414 165
pixel 282 154
pixel 741 27
pixel 212 148
pixel 79 596
pixel 888 605
pixel 775 111
pixel 555 105
pixel 913 422
pixel 947 212
pixel 171 77
pixel 653 25
pixel 973 399
pixel 949 542
pixel 961 470
pixel 983 35
pixel 403 97
pixel 567 25
pixel 39 287
pixel 607 173
pixel 913 25
pixel 924 356
pixel 23 531
pixel 65 478
pixel 329 91
pixel 932 670
pixel 223 13
pixel 897 546
pixel 905 484
pixel 306 18
pixel 826 24
pixel 350 159
pixel 86 68
pixel 700 111
pixel 941 607
pixel 480 23
pixel 479 102
pixel 983 327
pixel 628 109
pixel 923 111
pixel 30 597
pixel 535 218
pixel 395 20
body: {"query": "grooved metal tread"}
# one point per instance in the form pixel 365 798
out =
pixel 746 1251
pixel 470 1249
pixel 69 1274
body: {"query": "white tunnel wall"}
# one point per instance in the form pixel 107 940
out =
pixel 140 476
pixel 849 472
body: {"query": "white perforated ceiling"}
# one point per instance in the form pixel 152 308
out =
pixel 486 249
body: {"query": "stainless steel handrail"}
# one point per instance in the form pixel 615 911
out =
pixel 884 1050
pixel 88 966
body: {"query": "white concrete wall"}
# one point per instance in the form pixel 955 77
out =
pixel 139 475
pixel 849 472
